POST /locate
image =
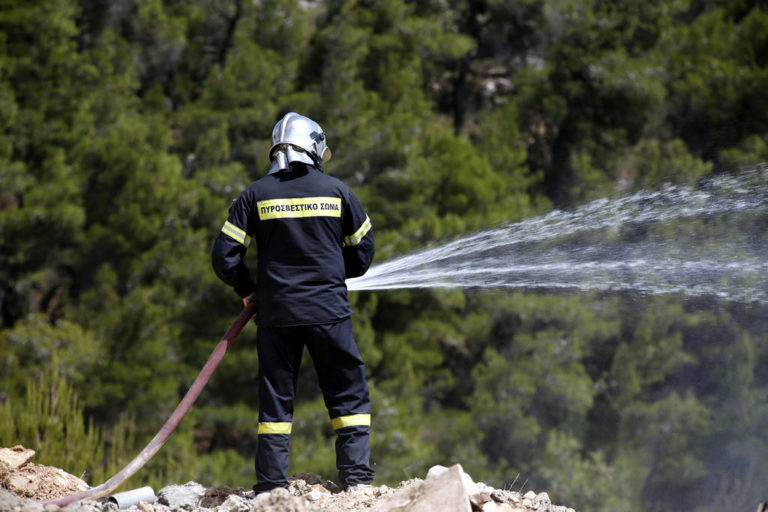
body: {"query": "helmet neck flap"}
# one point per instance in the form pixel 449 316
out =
pixel 296 138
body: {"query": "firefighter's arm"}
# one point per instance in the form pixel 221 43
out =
pixel 359 246
pixel 229 250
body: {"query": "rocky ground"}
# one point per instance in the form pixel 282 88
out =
pixel 24 484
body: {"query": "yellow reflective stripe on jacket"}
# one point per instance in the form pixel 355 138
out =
pixel 298 207
pixel 271 427
pixel 353 420
pixel 236 233
pixel 359 234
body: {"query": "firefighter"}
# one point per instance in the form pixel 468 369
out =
pixel 311 233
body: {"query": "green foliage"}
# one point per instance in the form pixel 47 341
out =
pixel 651 163
pixel 35 347
pixel 50 420
pixel 713 71
pixel 753 150
pixel 126 132
pixel 590 478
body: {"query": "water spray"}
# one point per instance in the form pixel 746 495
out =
pixel 705 240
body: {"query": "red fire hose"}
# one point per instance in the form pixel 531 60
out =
pixel 181 410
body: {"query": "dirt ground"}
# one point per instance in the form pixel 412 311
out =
pixel 23 484
pixel 26 479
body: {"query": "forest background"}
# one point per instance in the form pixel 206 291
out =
pixel 128 126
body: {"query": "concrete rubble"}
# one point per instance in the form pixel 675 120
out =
pixel 181 496
pixel 19 475
pixel 444 489
pixel 14 458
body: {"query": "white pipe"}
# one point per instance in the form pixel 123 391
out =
pixel 128 499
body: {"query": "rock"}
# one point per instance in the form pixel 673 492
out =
pixel 443 490
pixel 42 482
pixel 478 500
pixel 501 507
pixel 33 506
pixel 367 490
pixel 509 497
pixel 215 496
pixel 313 495
pixel 264 496
pixel 91 506
pixel 177 496
pixel 279 499
pixel 469 485
pixel 482 487
pixel 145 507
pixel 18 483
pixel 436 471
pixel 8 500
pixel 234 503
pixel 300 480
pixel 16 457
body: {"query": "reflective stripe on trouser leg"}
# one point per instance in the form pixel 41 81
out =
pixel 341 373
pixel 352 420
pixel 275 427
pixel 279 351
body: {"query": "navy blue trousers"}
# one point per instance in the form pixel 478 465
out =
pixel 341 375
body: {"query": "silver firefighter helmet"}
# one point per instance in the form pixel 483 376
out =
pixel 296 138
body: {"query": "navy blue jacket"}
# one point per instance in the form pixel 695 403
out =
pixel 311 234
